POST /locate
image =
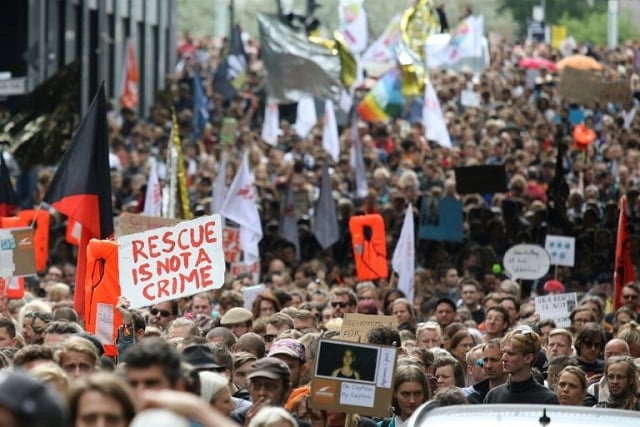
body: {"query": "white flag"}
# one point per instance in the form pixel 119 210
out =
pixel 404 256
pixel 219 189
pixel 433 118
pixel 325 226
pixel 306 116
pixel 271 124
pixel 353 24
pixel 464 42
pixel 330 138
pixel 153 196
pixel 357 162
pixel 240 207
pixel 383 49
pixel 289 221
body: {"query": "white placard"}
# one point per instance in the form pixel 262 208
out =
pixel 357 394
pixel 469 98
pixel 250 293
pixel 172 262
pixel 104 323
pixel 557 307
pixel 385 367
pixel 528 262
pixel 561 250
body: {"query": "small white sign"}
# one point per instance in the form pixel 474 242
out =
pixel 469 98
pixel 557 307
pixel 15 86
pixel 561 250
pixel 528 262
pixel 357 394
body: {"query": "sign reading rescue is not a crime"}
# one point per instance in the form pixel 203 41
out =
pixel 172 262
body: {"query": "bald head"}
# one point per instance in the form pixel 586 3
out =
pixel 616 347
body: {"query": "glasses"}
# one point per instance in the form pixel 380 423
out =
pixel 163 313
pixel 336 304
pixel 592 344
pixel 45 317
pixel 269 338
pixel 629 296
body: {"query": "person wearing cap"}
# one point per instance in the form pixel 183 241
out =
pixel 269 385
pixel 553 287
pixel 25 401
pixel 200 356
pixel 238 320
pixel 291 352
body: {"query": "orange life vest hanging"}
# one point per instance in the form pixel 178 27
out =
pixel 369 246
pixel 40 235
pixel 14 287
pixel 102 289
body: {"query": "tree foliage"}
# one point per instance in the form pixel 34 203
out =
pixel 593 28
pixel 522 10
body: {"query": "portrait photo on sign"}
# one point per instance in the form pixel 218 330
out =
pixel 348 361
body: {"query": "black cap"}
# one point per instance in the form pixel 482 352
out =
pixel 31 401
pixel 201 357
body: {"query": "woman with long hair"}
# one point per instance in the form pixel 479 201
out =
pixel 410 390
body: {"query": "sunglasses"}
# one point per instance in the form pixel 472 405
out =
pixel 163 313
pixel 339 304
pixel 45 317
pixel 269 338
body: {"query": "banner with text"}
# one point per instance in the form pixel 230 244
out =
pixel 557 308
pixel 172 262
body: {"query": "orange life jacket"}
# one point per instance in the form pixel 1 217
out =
pixel 40 235
pixel 369 246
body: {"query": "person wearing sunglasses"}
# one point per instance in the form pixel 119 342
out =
pixel 589 344
pixel 343 301
pixel 161 314
pixel 34 325
pixel 520 349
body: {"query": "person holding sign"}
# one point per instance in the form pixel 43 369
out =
pixel 347 371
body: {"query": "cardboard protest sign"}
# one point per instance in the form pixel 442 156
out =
pixel 441 220
pixel 172 262
pixel 353 378
pixel 618 92
pixel 556 307
pixel 528 262
pixel 17 252
pixel 561 249
pixel 356 326
pixel 228 131
pixel 579 86
pixel 129 223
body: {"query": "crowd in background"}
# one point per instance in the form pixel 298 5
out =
pixel 469 336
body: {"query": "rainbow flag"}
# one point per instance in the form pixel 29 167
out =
pixel 384 101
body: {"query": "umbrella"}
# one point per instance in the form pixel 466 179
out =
pixel 579 62
pixel 537 63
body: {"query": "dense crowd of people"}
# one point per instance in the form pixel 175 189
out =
pixel 469 336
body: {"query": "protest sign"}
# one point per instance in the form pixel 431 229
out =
pixel 128 223
pixel 356 326
pixel 228 131
pixel 250 293
pixel 441 220
pixel 172 262
pixel 561 249
pixel 618 92
pixel 242 267
pixel 579 86
pixel 528 262
pixel 556 307
pixel 353 378
pixel 17 254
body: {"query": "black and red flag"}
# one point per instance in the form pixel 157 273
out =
pixel 81 186
pixel 8 198
pixel 624 272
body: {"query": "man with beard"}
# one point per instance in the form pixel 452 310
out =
pixel 621 376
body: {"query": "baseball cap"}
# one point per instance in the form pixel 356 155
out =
pixel 236 315
pixel 201 357
pixel 269 367
pixel 289 347
pixel 553 286
pixel 31 401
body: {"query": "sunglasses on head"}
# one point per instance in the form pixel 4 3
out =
pixel 163 313
pixel 339 304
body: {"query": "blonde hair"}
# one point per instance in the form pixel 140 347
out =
pixel 37 306
pixel 50 373
pixel 59 292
